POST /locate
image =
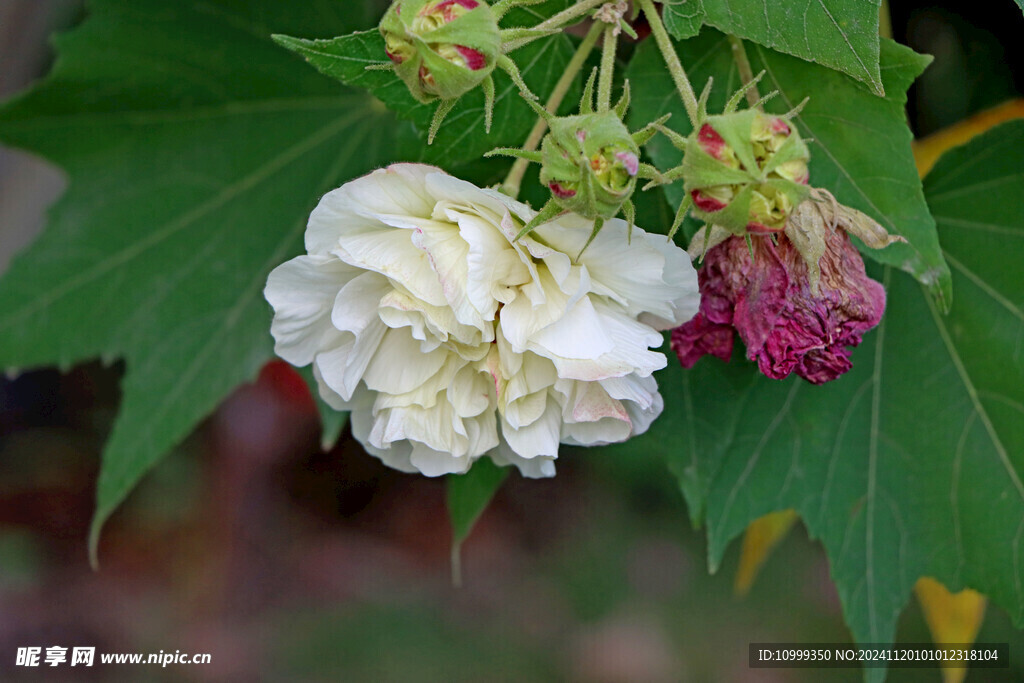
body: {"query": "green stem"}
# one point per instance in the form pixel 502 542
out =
pixel 558 20
pixel 675 67
pixel 739 55
pixel 604 79
pixel 514 180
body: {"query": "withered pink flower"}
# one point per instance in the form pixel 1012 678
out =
pixel 764 293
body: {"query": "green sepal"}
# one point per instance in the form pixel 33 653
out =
pixel 420 45
pixel 534 157
pixel 598 224
pixel 569 151
pixel 548 212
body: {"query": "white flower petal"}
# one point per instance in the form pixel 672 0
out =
pixel 642 391
pixel 397 455
pixel 577 334
pixel 392 254
pixel 494 269
pixel 392 369
pixel 354 307
pixel 302 292
pixel 642 417
pixel 447 253
pixel 435 463
pixel 537 467
pixel 449 339
pixel 545 303
pixel 342 367
pixel 470 392
pixel 629 350
pixel 524 397
pixel 537 438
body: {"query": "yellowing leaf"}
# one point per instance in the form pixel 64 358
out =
pixel 928 150
pixel 951 617
pixel 760 539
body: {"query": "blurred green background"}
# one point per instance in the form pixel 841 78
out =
pixel 289 564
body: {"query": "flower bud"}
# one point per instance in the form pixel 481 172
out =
pixel 763 291
pixel 746 171
pixel 441 48
pixel 590 163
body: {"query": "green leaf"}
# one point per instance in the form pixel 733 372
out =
pixel 469 494
pixel 912 463
pixel 839 34
pixel 683 18
pixel 462 135
pixel 468 497
pixel 861 143
pixel 195 149
pixel 331 421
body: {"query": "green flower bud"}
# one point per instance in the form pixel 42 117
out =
pixel 590 163
pixel 746 171
pixel 441 49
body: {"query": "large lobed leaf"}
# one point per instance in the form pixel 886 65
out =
pixel 912 463
pixel 861 143
pixel 839 34
pixel 195 148
pixel 683 18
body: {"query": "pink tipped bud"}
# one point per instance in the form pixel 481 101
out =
pixel 780 126
pixel 711 142
pixel 474 60
pixel 448 5
pixel 426 78
pixel 706 203
pixel 441 49
pixel 712 199
pixel 560 191
pixel 745 171
pixel 447 10
pixel 630 161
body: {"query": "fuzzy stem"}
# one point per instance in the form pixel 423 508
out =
pixel 675 67
pixel 739 55
pixel 515 176
pixel 604 80
pixel 557 20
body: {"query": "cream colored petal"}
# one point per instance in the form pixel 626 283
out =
pixel 399 366
pixel 399 189
pixel 545 303
pixel 302 291
pixel 343 366
pixel 392 254
pixel 354 306
pixel 537 467
pixel 434 463
pixel 642 391
pixel 397 456
pixel 494 270
pixel 539 438
pixel 471 392
pixel 579 333
pixel 629 352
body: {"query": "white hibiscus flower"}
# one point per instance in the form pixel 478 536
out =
pixel 448 341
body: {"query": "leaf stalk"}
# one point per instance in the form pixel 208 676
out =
pixel 514 180
pixel 675 67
